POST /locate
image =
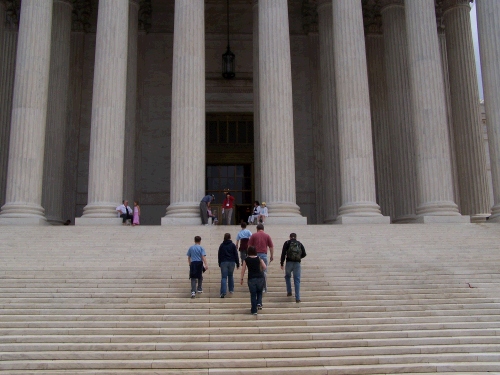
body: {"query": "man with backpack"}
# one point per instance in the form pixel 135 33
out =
pixel 293 251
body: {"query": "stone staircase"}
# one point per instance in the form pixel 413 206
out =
pixel 385 299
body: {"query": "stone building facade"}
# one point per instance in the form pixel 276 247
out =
pixel 341 111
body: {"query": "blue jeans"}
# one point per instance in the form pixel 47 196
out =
pixel 263 256
pixel 255 286
pixel 293 267
pixel 226 270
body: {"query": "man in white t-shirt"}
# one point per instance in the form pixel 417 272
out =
pixel 125 212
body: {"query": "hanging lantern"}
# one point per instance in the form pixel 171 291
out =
pixel 228 59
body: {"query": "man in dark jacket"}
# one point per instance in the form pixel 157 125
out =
pixel 228 258
pixel 293 251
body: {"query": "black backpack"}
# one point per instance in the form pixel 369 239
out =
pixel 294 252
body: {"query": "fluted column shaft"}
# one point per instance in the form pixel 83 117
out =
pixel 353 112
pixel 398 88
pixel 108 111
pixel 256 103
pixel 77 51
pixel 130 119
pixel 435 193
pixel 3 6
pixel 317 131
pixel 187 174
pixel 29 112
pixel 276 110
pixel 471 158
pixel 380 122
pixel 57 110
pixel 8 46
pixel 488 14
pixel 329 125
pixel 449 114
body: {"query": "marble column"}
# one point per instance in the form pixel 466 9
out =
pixel 3 129
pixel 80 24
pixel 353 115
pixel 29 113
pixel 380 120
pixel 3 7
pixel 433 165
pixel 73 130
pixel 105 186
pixel 256 103
pixel 471 158
pixel 449 114
pixel 57 112
pixel 317 131
pixel 329 125
pixel 187 172
pixel 130 119
pixel 398 89
pixel 488 14
pixel 141 104
pixel 8 46
pixel 276 114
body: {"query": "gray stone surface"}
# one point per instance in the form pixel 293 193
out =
pixel 187 173
pixel 328 115
pixel 98 221
pixel 153 164
pixel 29 111
pixel 108 111
pixel 449 114
pixel 131 116
pixel 276 111
pixel 57 112
pixel 7 69
pixel 353 112
pixel 471 158
pixel 435 192
pixel 400 111
pixel 380 122
pixel 488 12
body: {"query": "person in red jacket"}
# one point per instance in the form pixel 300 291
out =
pixel 227 208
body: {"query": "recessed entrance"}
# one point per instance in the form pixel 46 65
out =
pixel 230 162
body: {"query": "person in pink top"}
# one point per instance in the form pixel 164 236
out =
pixel 137 214
pixel 227 208
pixel 262 241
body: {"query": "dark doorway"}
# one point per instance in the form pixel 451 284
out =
pixel 229 145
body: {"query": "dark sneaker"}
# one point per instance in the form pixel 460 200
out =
pixel 259 307
pixel 200 290
pixel 254 313
pixel 297 300
pixel 193 294
pixel 222 295
pixel 289 294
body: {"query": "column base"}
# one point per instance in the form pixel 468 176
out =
pixel 98 221
pixel 20 221
pixel 479 218
pixel 493 219
pixel 379 219
pixel 455 219
pixel 408 219
pixel 172 220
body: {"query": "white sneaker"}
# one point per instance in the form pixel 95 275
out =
pixel 193 294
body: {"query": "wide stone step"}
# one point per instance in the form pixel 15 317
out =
pixel 141 353
pixel 376 299
pixel 475 362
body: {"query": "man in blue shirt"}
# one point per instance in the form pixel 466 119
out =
pixel 204 206
pixel 197 260
pixel 242 240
